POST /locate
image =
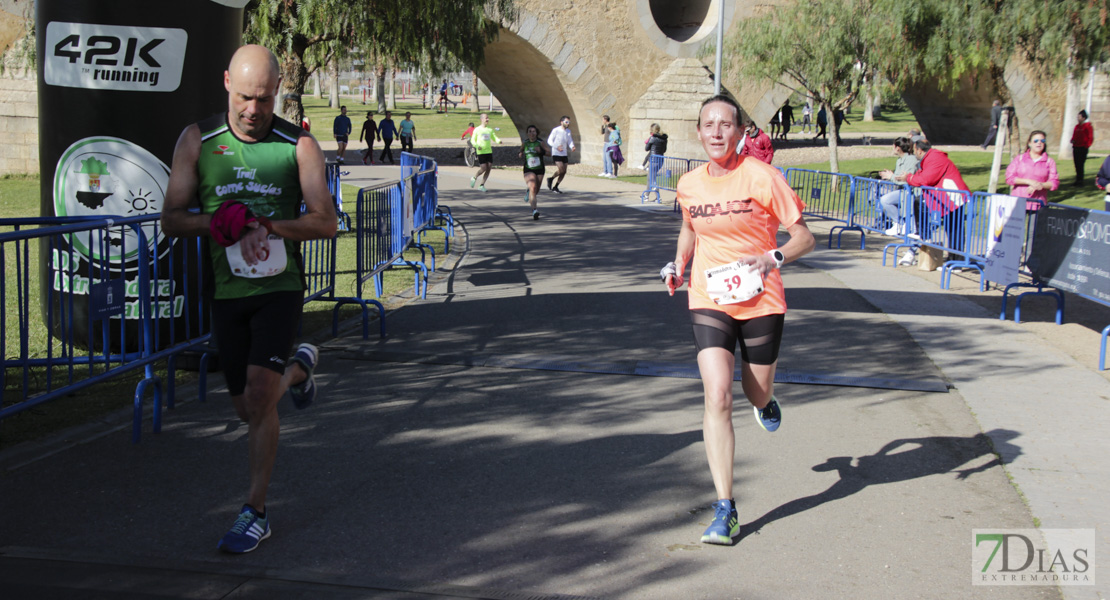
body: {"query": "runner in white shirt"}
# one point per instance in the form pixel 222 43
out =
pixel 560 141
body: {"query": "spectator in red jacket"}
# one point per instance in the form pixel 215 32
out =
pixel 1081 139
pixel 936 170
pixel 757 143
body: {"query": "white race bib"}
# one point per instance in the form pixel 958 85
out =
pixel 534 162
pixel 733 283
pixel 485 137
pixel 272 265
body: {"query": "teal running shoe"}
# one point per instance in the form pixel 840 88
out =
pixel 248 531
pixel 725 526
pixel 770 417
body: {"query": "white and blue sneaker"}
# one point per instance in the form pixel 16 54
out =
pixel 725 525
pixel 305 392
pixel 770 417
pixel 248 531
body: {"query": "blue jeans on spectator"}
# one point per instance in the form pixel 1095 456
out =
pixel 891 205
pixel 608 158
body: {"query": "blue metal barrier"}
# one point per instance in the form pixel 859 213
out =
pixel 334 174
pixel 664 173
pixel 828 196
pixel 120 335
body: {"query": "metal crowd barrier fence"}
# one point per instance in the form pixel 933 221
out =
pixel 117 297
pixel 333 173
pixel 381 241
pixel 664 173
pixel 828 196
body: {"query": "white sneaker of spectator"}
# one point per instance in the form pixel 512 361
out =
pixel 895 230
pixel 907 258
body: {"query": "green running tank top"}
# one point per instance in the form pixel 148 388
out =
pixel 264 176
pixel 533 155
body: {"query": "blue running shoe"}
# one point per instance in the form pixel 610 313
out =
pixel 770 417
pixel 305 392
pixel 725 525
pixel 248 531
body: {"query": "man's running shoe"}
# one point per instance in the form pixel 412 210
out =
pixel 473 180
pixel 305 392
pixel 770 416
pixel 482 187
pixel 725 526
pixel 248 531
pixel 535 215
pixel 549 181
pixel 557 190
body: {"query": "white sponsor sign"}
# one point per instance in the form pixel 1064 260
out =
pixel 1005 236
pixel 113 57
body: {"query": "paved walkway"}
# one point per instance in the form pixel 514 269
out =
pixel 532 430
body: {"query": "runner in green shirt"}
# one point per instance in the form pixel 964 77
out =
pixel 483 139
pixel 533 151
pixel 248 172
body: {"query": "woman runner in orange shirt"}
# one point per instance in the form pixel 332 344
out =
pixel 732 209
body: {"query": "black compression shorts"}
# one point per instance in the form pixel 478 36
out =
pixel 485 159
pixel 558 158
pixel 759 338
pixel 256 330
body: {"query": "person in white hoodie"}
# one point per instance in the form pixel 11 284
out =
pixel 561 142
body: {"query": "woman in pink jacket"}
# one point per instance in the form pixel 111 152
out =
pixel 1033 173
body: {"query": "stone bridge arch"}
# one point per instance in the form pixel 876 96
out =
pixel 637 61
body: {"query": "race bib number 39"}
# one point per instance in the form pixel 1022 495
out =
pixel 733 283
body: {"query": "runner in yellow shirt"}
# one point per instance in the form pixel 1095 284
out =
pixel 483 139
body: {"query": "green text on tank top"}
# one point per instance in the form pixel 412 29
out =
pixel 533 155
pixel 264 176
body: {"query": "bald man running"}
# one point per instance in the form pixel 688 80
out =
pixel 249 171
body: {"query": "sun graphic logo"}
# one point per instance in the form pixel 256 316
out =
pixel 105 177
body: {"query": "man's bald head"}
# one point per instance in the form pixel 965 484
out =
pixel 253 59
pixel 252 80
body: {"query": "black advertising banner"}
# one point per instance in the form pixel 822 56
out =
pixel 118 80
pixel 1071 250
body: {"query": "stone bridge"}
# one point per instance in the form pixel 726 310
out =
pixel 636 60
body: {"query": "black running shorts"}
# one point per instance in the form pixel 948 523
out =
pixel 485 159
pixel 759 338
pixel 256 330
pixel 557 158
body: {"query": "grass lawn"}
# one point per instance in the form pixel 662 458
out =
pixel 976 170
pixel 19 196
pixel 429 124
pixel 888 122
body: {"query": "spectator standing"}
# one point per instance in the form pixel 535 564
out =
pixel 807 118
pixel 996 118
pixel 1032 174
pixel 656 144
pixel 612 152
pixel 822 123
pixel 786 118
pixel 1081 139
pixel 387 130
pixel 341 128
pixel 839 117
pixel 369 131
pixel 757 144
pixel 407 133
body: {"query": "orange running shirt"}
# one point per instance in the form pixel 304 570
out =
pixel 733 216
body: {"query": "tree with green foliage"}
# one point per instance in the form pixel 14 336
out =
pixel 419 32
pixel 1057 38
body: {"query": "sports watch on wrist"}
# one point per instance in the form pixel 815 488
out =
pixel 777 256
